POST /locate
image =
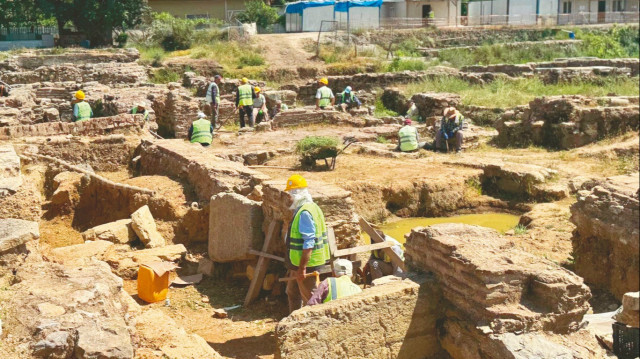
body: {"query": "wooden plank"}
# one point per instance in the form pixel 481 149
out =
pixel 333 247
pixel 261 268
pixel 362 249
pixel 375 237
pixel 264 254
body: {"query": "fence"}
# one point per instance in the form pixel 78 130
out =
pixel 580 18
pixel 26 33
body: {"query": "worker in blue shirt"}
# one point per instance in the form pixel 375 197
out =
pixel 307 242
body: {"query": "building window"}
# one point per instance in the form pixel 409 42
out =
pixel 618 5
pixel 566 7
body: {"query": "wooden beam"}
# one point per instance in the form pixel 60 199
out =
pixel 375 237
pixel 332 241
pixel 261 268
pixel 362 249
pixel 264 254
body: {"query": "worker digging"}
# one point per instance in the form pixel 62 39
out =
pixel 337 180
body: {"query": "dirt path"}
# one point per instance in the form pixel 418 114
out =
pixel 288 50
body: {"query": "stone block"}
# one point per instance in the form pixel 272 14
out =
pixel 16 232
pixel 394 320
pixel 117 232
pixel 144 225
pixel 79 253
pixel 606 239
pixel 125 262
pixel 433 103
pixel 104 340
pixel 235 226
pixel 10 178
pixel 496 285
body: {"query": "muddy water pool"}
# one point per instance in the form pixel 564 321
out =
pixel 501 222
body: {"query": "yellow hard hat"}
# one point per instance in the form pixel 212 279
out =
pixel 256 89
pixel 296 181
pixel 244 80
pixel 80 95
pixel 324 81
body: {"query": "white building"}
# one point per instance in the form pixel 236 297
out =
pixel 309 16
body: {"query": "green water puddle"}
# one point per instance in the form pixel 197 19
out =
pixel 501 222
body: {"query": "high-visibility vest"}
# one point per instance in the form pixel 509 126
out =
pixel 381 254
pixel 344 96
pixel 341 287
pixel 84 111
pixel 145 113
pixel 320 254
pixel 432 14
pixel 245 95
pixel 325 96
pixel 208 96
pixel 201 132
pixel 408 138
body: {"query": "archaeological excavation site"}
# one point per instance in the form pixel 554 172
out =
pixel 123 237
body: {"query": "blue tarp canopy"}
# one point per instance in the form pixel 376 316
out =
pixel 343 6
pixel 298 7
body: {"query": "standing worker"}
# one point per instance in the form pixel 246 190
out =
pixel 408 139
pixel 338 286
pixel 140 108
pixel 212 98
pixel 244 101
pixel 380 263
pixel 201 131
pixel 324 95
pixel 260 106
pixel 413 113
pixel 81 110
pixel 347 99
pixel 450 129
pixel 307 242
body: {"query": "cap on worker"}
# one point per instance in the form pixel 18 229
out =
pixel 256 89
pixel 348 89
pixel 449 112
pixel 217 77
pixel 295 182
pixel 324 81
pixel 141 104
pixel 80 95
pixel 407 121
pixel 244 80
pixel 201 115
pixel 342 266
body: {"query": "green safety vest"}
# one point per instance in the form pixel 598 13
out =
pixel 380 254
pixel 145 113
pixel 201 132
pixel 408 138
pixel 325 96
pixel 245 96
pixel 432 15
pixel 84 111
pixel 341 287
pixel 213 84
pixel 345 96
pixel 320 254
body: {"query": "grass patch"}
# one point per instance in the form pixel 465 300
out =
pixel 501 54
pixel 238 59
pixel 382 139
pixel 398 64
pixel 164 76
pixel 381 111
pixel 520 229
pixel 509 93
pixel 313 143
pixel 152 55
pixel 251 59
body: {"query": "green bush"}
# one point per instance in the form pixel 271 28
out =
pixel 152 55
pixel 250 59
pixel 164 76
pixel 311 144
pixel 121 39
pixel 398 64
pixel 260 13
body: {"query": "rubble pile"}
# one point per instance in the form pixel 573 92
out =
pixel 605 241
pixel 564 122
pixel 494 285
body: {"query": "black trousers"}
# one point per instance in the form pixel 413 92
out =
pixel 248 111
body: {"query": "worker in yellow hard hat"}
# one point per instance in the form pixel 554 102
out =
pixel 81 109
pixel 260 112
pixel 324 95
pixel 244 101
pixel 307 242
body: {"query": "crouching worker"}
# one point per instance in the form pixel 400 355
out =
pixel 380 263
pixel 408 139
pixel 348 100
pixel 450 130
pixel 140 108
pixel 307 242
pixel 81 109
pixel 338 286
pixel 201 130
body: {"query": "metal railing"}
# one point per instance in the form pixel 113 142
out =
pixel 580 18
pixel 26 33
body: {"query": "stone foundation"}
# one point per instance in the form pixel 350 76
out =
pixel 605 241
pixel 432 104
pixel 393 320
pixel 496 286
pixel 309 116
pixel 563 122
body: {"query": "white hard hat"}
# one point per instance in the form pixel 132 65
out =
pixel 201 115
pixel 342 267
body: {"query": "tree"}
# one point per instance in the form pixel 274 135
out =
pixel 260 13
pixel 15 13
pixel 96 18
